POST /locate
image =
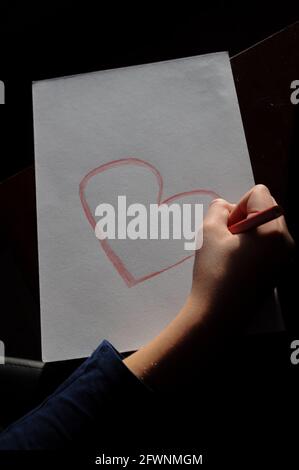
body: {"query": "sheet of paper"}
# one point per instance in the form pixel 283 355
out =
pixel 172 127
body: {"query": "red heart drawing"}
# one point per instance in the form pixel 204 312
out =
pixel 120 267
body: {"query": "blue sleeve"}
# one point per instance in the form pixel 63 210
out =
pixel 82 406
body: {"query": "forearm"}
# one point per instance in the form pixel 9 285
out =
pixel 171 358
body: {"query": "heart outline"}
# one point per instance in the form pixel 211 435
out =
pixel 118 264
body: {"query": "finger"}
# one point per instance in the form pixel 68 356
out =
pixel 219 211
pixel 257 199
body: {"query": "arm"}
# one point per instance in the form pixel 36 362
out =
pixel 80 412
pixel 231 275
pixel 229 270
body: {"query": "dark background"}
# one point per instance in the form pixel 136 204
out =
pixel 46 39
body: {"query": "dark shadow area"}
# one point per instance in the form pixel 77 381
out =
pixel 288 287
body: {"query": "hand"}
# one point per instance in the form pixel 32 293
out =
pixel 231 274
pixel 234 272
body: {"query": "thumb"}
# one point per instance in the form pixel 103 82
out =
pixel 255 200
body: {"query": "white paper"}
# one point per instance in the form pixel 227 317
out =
pixel 182 118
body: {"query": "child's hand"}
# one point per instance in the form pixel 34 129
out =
pixel 232 271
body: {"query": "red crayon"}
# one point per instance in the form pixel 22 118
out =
pixel 256 220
